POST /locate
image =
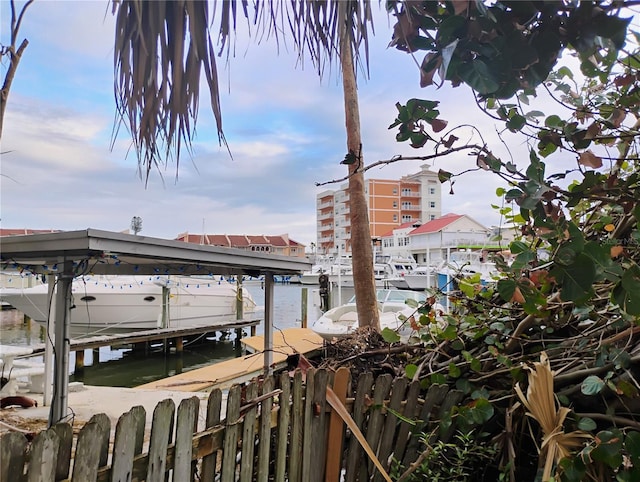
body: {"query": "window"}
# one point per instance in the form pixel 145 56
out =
pixel 395 190
pixel 432 217
pixel 432 190
pixel 395 217
pixel 395 204
pixel 432 204
pixel 406 218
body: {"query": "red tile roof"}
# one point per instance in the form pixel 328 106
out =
pixel 239 240
pixel 436 225
pixel 408 224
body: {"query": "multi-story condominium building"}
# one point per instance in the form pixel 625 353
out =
pixel 416 197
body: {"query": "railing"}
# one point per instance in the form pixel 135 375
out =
pixel 278 428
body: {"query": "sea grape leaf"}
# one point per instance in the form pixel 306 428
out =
pixel 626 292
pixel 592 385
pixel 389 335
pixel 575 279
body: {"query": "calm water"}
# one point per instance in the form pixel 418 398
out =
pixel 123 367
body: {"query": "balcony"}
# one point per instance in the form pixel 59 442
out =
pixel 325 204
pixel 322 216
pixel 409 194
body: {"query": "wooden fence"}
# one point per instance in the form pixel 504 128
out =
pixel 279 428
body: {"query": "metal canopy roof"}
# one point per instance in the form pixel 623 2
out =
pixel 66 255
pixel 105 252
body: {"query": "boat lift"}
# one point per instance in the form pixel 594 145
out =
pixel 62 256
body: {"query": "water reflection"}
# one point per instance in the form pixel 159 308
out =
pixel 136 368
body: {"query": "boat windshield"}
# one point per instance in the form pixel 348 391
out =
pixel 396 296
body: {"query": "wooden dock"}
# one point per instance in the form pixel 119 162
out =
pixel 141 340
pixel 236 370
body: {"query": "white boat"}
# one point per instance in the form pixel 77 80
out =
pixel 337 270
pixel 385 269
pixel 121 304
pixel 394 306
pixel 421 278
pixel 465 263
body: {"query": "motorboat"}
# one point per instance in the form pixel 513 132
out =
pixel 420 278
pixel 465 263
pixel 395 307
pixel 385 269
pixel 121 304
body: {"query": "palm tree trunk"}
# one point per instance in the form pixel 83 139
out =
pixel 361 249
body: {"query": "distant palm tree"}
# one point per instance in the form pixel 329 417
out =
pixel 162 47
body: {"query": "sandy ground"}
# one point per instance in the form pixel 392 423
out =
pixel 89 400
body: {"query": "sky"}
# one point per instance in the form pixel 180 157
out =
pixel 284 126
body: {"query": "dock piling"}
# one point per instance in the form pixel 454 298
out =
pixel 304 307
pixel 79 365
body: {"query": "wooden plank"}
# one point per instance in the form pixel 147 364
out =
pixel 104 423
pixel 65 434
pixel 391 421
pixel 307 417
pixel 139 418
pixel 124 447
pixel 453 398
pixel 88 452
pixel 288 341
pixel 186 422
pixel 297 428
pixel 230 447
pixel 335 437
pixel 354 454
pixel 319 426
pixel 435 395
pixel 376 418
pixel 44 457
pixel 284 418
pixel 410 413
pixel 249 434
pixel 152 335
pixel 214 403
pixel 13 448
pixel 161 436
pixel 223 374
pixel 264 447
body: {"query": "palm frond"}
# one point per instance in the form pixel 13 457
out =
pixel 541 404
pixel 163 47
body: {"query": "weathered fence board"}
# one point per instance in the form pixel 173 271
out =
pixel 44 455
pixel 282 430
pixel 186 425
pixel 124 448
pixel 87 459
pixel 214 405
pixel 376 417
pixel 390 423
pixel 365 382
pixel 335 437
pixel 284 418
pixel 13 448
pixel 317 456
pixel 264 438
pixel 248 436
pixel 295 446
pixel 65 435
pixel 161 436
pixel 231 435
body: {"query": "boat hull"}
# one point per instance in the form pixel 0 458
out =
pixel 121 305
